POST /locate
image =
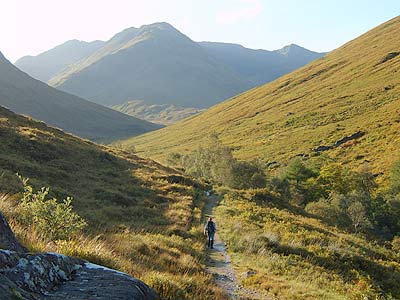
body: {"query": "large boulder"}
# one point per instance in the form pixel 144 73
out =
pixel 7 237
pixel 56 277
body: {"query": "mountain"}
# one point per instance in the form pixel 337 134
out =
pixel 155 63
pixel 137 212
pixel 261 66
pixel 25 95
pixel 159 65
pixel 47 64
pixel 165 114
pixel 344 105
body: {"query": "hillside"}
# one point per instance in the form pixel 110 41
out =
pixel 159 65
pixel 352 92
pixel 261 66
pixel 47 64
pixel 25 95
pixel 155 63
pixel 143 218
pixel 165 114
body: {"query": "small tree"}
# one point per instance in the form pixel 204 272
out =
pixel 52 219
pixel 358 216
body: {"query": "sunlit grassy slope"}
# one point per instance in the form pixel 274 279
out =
pixel 144 219
pixel 354 88
pixel 289 254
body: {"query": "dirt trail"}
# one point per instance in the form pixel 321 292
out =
pixel 219 265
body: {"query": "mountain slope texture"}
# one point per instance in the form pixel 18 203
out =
pixel 159 65
pixel 143 218
pixel 155 63
pixel 346 103
pixel 47 64
pixel 23 94
pixel 261 66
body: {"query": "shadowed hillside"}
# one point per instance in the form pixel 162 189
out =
pixel 47 64
pixel 25 95
pixel 261 66
pixel 344 105
pixel 143 218
pixel 155 63
pixel 165 114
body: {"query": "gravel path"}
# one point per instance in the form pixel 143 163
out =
pixel 219 265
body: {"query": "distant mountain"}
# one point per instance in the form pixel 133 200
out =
pixel 24 95
pixel 159 65
pixel 165 114
pixel 155 63
pixel 345 106
pixel 261 66
pixel 47 64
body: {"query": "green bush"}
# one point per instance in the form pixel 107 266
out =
pixel 52 220
pixel 217 164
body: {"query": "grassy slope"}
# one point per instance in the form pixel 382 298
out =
pixel 25 95
pixel 296 256
pixel 140 221
pixel 165 114
pixel 335 96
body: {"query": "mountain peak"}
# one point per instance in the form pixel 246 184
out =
pixel 291 49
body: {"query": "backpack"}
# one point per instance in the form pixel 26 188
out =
pixel 210 226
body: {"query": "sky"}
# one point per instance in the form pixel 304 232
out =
pixel 29 27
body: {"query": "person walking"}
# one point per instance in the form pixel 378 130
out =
pixel 210 230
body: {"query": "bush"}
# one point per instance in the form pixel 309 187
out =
pixel 217 164
pixel 53 220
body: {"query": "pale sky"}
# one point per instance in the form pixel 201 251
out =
pixel 33 26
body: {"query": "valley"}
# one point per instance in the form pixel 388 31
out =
pixel 115 153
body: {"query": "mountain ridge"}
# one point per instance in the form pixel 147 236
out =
pixel 26 95
pixel 158 64
pixel 351 89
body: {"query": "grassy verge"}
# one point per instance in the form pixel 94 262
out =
pixel 296 256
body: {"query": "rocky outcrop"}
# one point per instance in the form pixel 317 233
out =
pixel 54 276
pixel 26 276
pixel 340 142
pixel 7 237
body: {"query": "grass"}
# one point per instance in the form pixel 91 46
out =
pixel 351 89
pixel 296 256
pixel 144 219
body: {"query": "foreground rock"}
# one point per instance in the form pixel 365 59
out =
pixel 7 238
pixel 25 276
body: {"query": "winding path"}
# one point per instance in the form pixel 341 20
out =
pixel 218 264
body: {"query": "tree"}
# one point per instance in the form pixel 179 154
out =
pixel 358 216
pixel 298 172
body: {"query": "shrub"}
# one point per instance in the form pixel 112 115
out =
pixel 217 164
pixel 358 216
pixel 53 220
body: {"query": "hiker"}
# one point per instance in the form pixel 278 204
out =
pixel 210 230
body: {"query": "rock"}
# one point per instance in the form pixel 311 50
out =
pixel 272 163
pixel 322 148
pixel 248 274
pixel 27 276
pixel 54 276
pixel 7 237
pixel 354 136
